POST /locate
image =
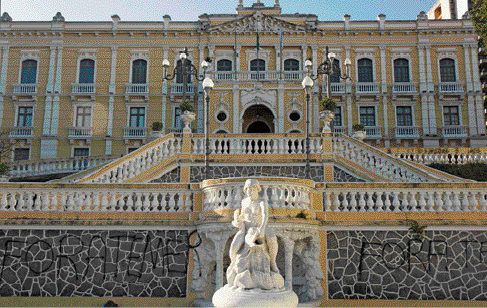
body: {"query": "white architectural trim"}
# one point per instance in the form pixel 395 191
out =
pixel 412 105
pixel 17 105
pixel 80 147
pixel 77 104
pixel 131 105
pixel 264 54
pixel 366 56
pixel 21 146
pixel 401 55
pixel 448 55
pixel 86 54
pixel 139 54
pixel 459 104
pixel 29 55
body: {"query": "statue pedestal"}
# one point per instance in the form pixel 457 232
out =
pixel 230 297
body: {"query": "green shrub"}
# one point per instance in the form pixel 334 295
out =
pixel 4 168
pixel 328 104
pixel 357 127
pixel 157 126
pixel 186 106
pixel 473 171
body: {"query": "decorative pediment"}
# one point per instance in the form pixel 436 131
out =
pixel 257 22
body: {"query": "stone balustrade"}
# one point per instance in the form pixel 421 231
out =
pixel 56 165
pixel 136 162
pixel 284 193
pixel 405 198
pixel 443 158
pixel 251 144
pixel 385 165
pixel 85 198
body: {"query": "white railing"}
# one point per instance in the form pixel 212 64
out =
pixel 406 131
pixel 337 87
pixel 278 194
pixel 263 145
pixel 404 87
pixel 20 131
pixel 373 131
pixel 56 165
pixel 134 132
pixel 443 158
pixel 83 88
pixel 293 75
pixel 80 132
pixel 367 87
pixel 138 161
pixel 448 87
pixel 340 129
pixel 25 88
pixel 89 199
pixel 223 75
pixel 454 131
pixel 380 163
pixel 407 198
pixel 177 88
pixel 136 88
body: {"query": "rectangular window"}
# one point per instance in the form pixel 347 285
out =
pixel 367 116
pixel 404 116
pixel 83 116
pixel 178 125
pixel 337 121
pixel 130 150
pixel 137 117
pixel 21 154
pixel 24 118
pixel 81 152
pixel 450 115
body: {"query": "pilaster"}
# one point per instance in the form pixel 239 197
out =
pixel 288 257
pixel 468 68
pixel 479 102
pixel 2 73
pixel 349 80
pixel 219 240
pixel 57 90
pixel 50 90
pixel 432 114
pixel 278 58
pixel 386 116
pixel 423 85
pixel 108 147
pixel 472 116
pixel 281 107
pixel 429 73
pixel 237 59
pixel 314 50
pixel 113 71
pixel 424 114
pixel 304 50
pixel 3 78
pixel 236 111
pixel 349 113
pixel 475 65
pixel 165 52
pixel 383 72
pixel 111 101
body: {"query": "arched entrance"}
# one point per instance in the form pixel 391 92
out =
pixel 258 119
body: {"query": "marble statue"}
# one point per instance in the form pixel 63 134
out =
pixel 254 248
pixel 253 277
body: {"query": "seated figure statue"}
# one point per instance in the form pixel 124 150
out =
pixel 254 248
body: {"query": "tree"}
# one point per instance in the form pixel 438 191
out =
pixel 479 17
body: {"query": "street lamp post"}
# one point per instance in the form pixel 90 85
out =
pixel 328 68
pixel 186 69
pixel 207 87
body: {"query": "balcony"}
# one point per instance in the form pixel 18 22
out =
pixel 134 132
pixel 220 75
pixel 136 89
pixel 404 87
pixel 406 131
pixel 450 87
pixel 367 87
pixel 454 131
pixel 83 89
pixel 340 130
pixel 80 133
pixel 177 88
pixel 20 132
pixel 338 87
pixel 254 75
pixel 373 131
pixel 27 89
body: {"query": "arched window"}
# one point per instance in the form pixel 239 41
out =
pixel 447 70
pixel 257 65
pixel 29 72
pixel 401 70
pixel 139 71
pixel 224 65
pixel 86 71
pixel 335 77
pixel 365 72
pixel 291 65
pixel 179 71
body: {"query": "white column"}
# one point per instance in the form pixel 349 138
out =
pixel 429 74
pixel 479 102
pixel 432 114
pixel 281 107
pixel 349 112
pixel 50 90
pixel 425 115
pixel 113 70
pixel 57 90
pixel 383 69
pixel 468 68
pixel 111 101
pixel 475 65
pixel 472 116
pixel 423 86
pixel 314 49
pixel 288 257
pixel 236 110
pixel 349 80
pixel 386 119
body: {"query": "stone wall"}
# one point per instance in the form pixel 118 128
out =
pixel 442 265
pixel 79 263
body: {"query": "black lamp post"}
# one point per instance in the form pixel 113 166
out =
pixel 328 68
pixel 207 87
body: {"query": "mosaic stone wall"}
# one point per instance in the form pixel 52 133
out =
pixel 78 263
pixel 341 176
pixel 443 265
pixel 197 174
pixel 173 176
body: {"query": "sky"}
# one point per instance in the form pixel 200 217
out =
pixel 189 10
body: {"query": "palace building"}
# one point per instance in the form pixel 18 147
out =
pixel 143 216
